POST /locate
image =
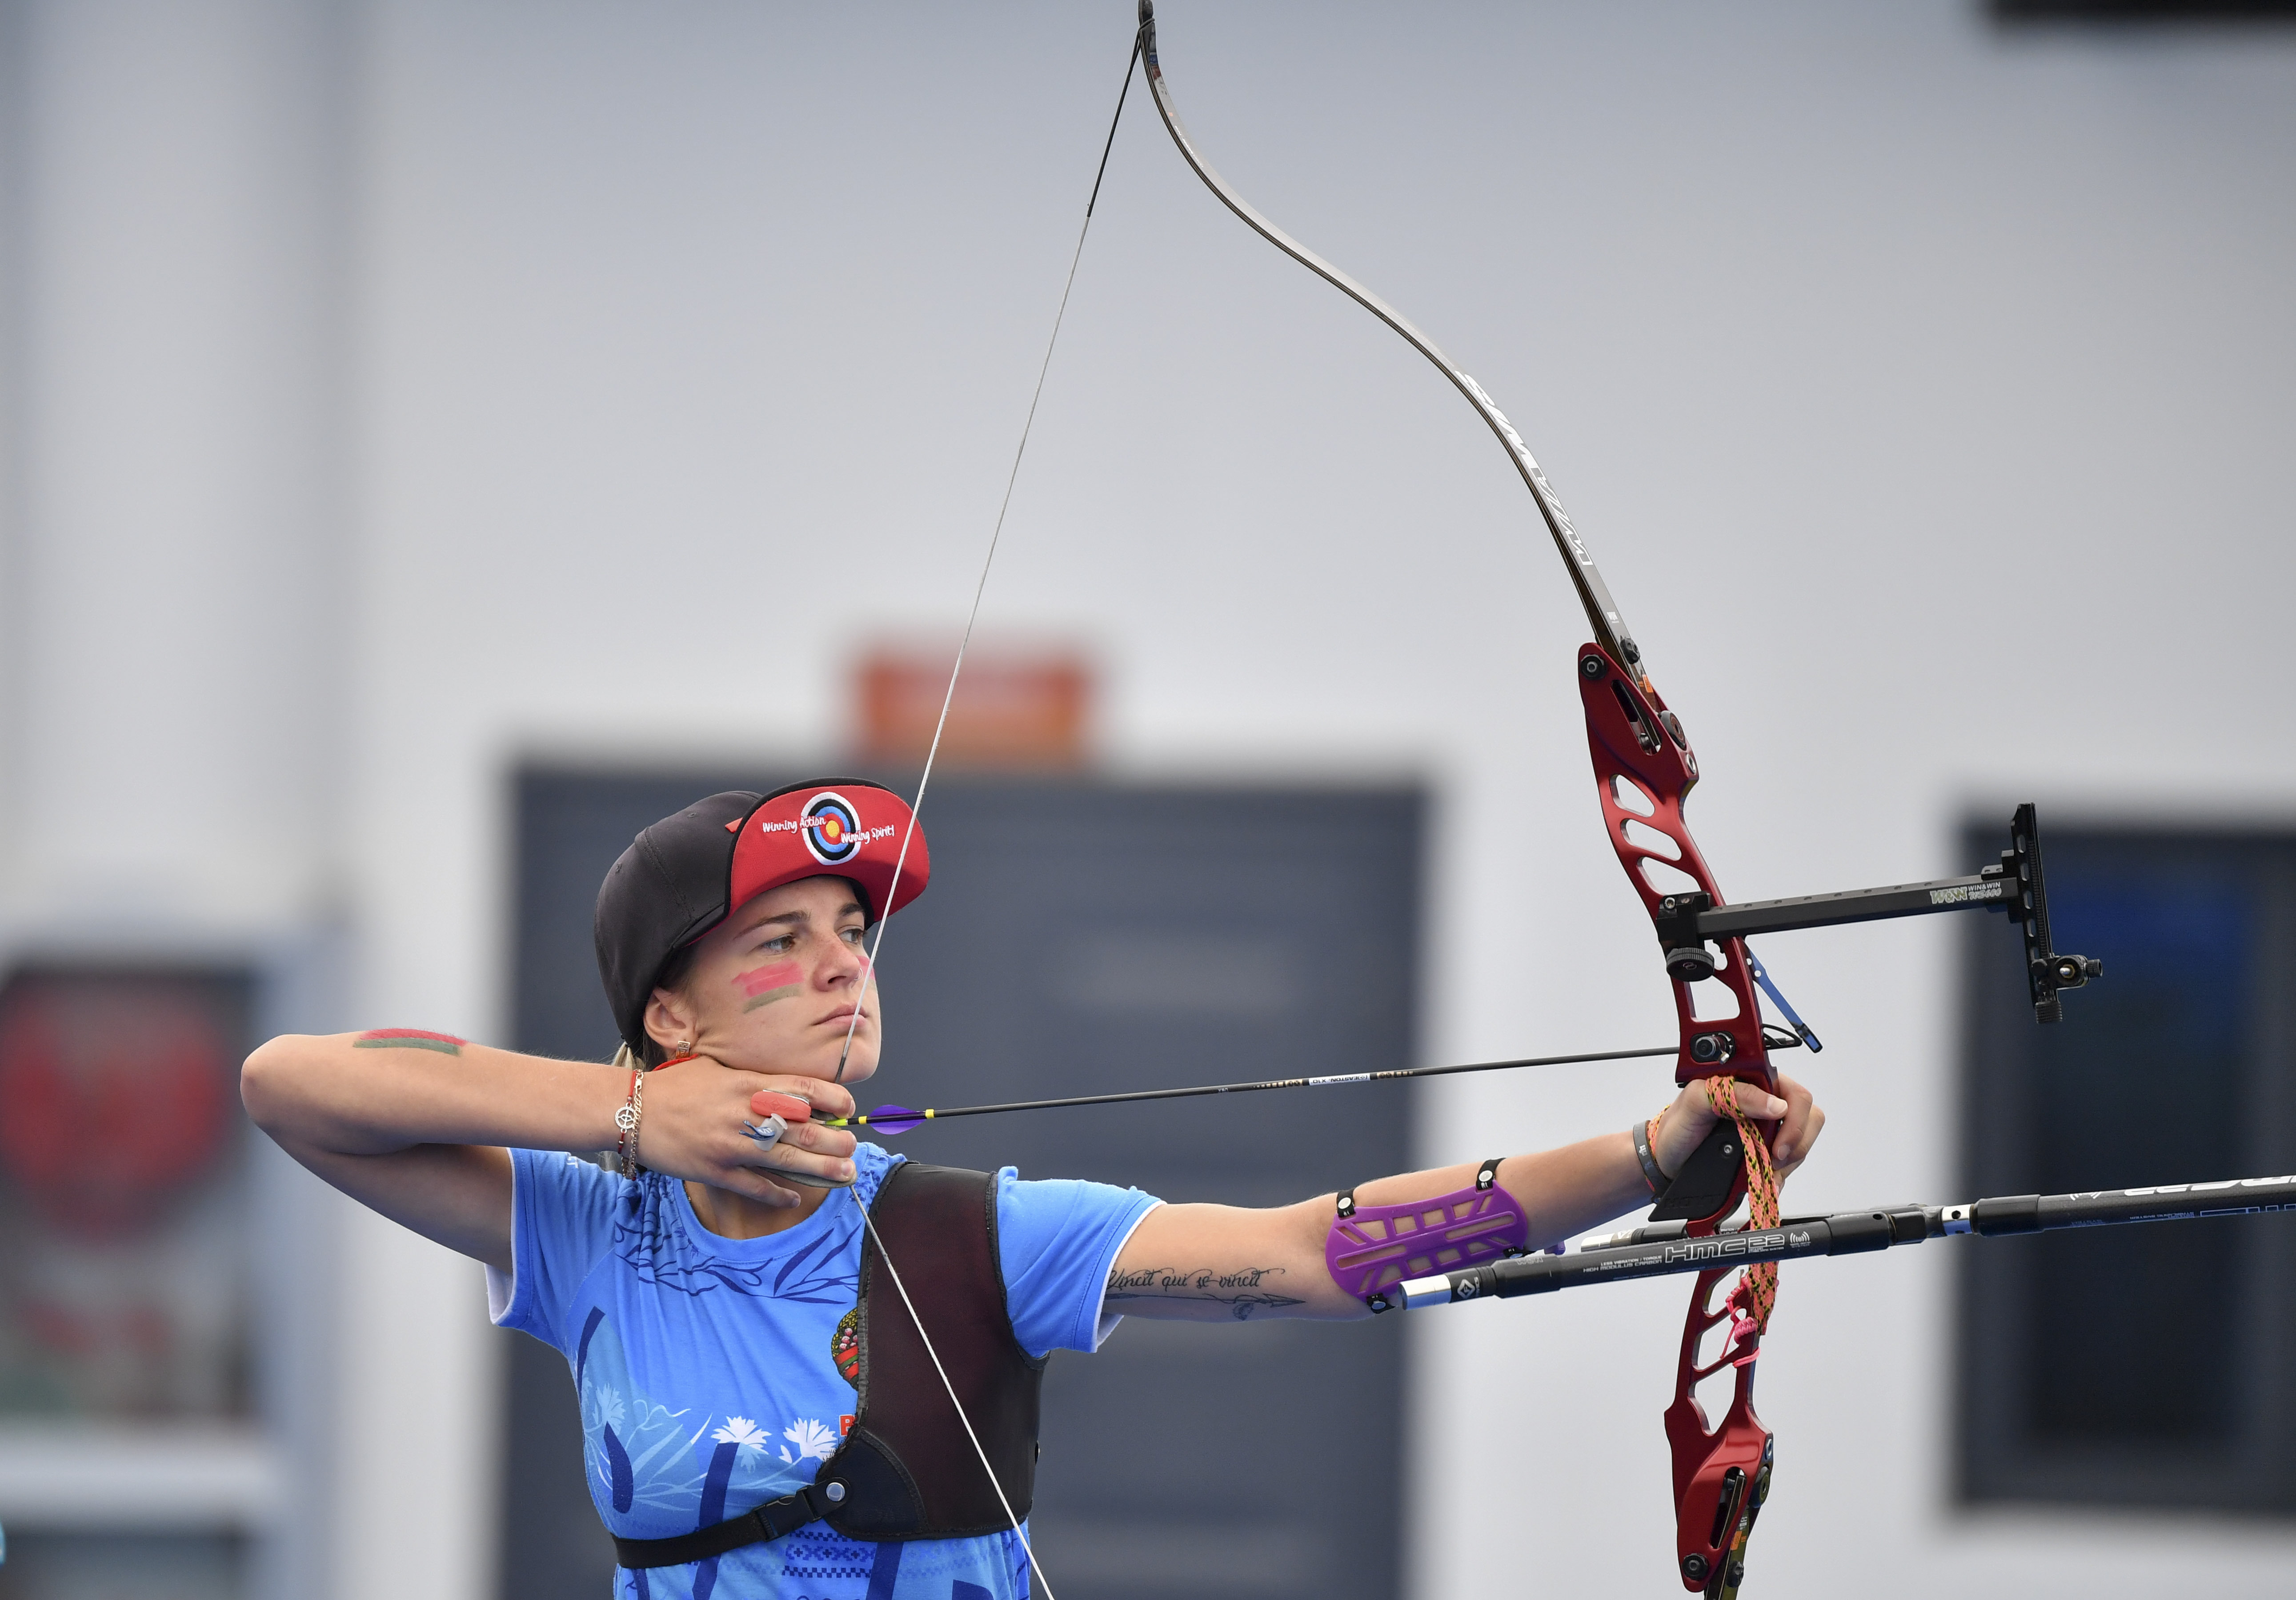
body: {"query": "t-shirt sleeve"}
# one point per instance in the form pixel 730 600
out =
pixel 1057 1239
pixel 563 1211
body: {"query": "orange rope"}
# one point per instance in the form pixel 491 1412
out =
pixel 1757 1292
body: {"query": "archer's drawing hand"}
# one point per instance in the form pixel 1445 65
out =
pixel 1791 1118
pixel 693 1129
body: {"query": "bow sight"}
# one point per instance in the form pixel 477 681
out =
pixel 1685 922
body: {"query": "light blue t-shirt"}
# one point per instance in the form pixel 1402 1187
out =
pixel 712 1371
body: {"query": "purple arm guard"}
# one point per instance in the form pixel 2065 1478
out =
pixel 1371 1249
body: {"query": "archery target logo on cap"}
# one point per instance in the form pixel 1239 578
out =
pixel 831 828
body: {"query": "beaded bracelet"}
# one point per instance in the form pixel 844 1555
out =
pixel 626 1147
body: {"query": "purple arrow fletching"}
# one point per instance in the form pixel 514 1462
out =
pixel 894 1120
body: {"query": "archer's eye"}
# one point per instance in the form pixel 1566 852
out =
pixel 780 944
pixel 852 935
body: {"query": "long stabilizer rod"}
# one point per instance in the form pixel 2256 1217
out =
pixel 1662 1249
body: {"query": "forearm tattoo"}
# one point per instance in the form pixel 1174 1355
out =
pixel 408 1039
pixel 1243 1292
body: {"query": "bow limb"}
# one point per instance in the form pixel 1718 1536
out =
pixel 1594 595
pixel 1633 735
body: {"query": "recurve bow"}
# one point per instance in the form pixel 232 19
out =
pixel 1645 769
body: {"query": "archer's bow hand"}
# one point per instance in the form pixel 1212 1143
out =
pixel 1789 1120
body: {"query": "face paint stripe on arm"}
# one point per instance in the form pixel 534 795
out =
pixel 408 1039
pixel 765 985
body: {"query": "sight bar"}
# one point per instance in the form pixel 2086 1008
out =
pixel 1745 920
pixel 1664 1249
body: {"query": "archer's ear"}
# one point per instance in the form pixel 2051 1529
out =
pixel 668 1019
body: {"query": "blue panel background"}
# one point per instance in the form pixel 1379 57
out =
pixel 1079 938
pixel 2142 1366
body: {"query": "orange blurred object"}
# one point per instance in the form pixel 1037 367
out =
pixel 1013 709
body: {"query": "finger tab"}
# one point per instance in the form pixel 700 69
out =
pixel 790 1108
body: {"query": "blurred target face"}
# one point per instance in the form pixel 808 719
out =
pixel 774 988
pixel 119 1097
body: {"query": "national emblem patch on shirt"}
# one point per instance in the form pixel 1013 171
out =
pixel 845 1347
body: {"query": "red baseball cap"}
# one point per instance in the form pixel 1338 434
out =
pixel 688 872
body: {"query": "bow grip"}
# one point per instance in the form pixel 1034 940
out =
pixel 1711 1183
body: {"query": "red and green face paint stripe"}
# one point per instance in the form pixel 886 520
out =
pixel 408 1039
pixel 765 985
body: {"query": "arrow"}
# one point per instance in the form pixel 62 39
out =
pixel 892 1119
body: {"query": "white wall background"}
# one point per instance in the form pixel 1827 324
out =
pixel 1917 388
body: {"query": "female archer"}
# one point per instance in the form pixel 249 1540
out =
pixel 805 1366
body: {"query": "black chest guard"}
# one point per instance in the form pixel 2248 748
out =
pixel 907 1469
